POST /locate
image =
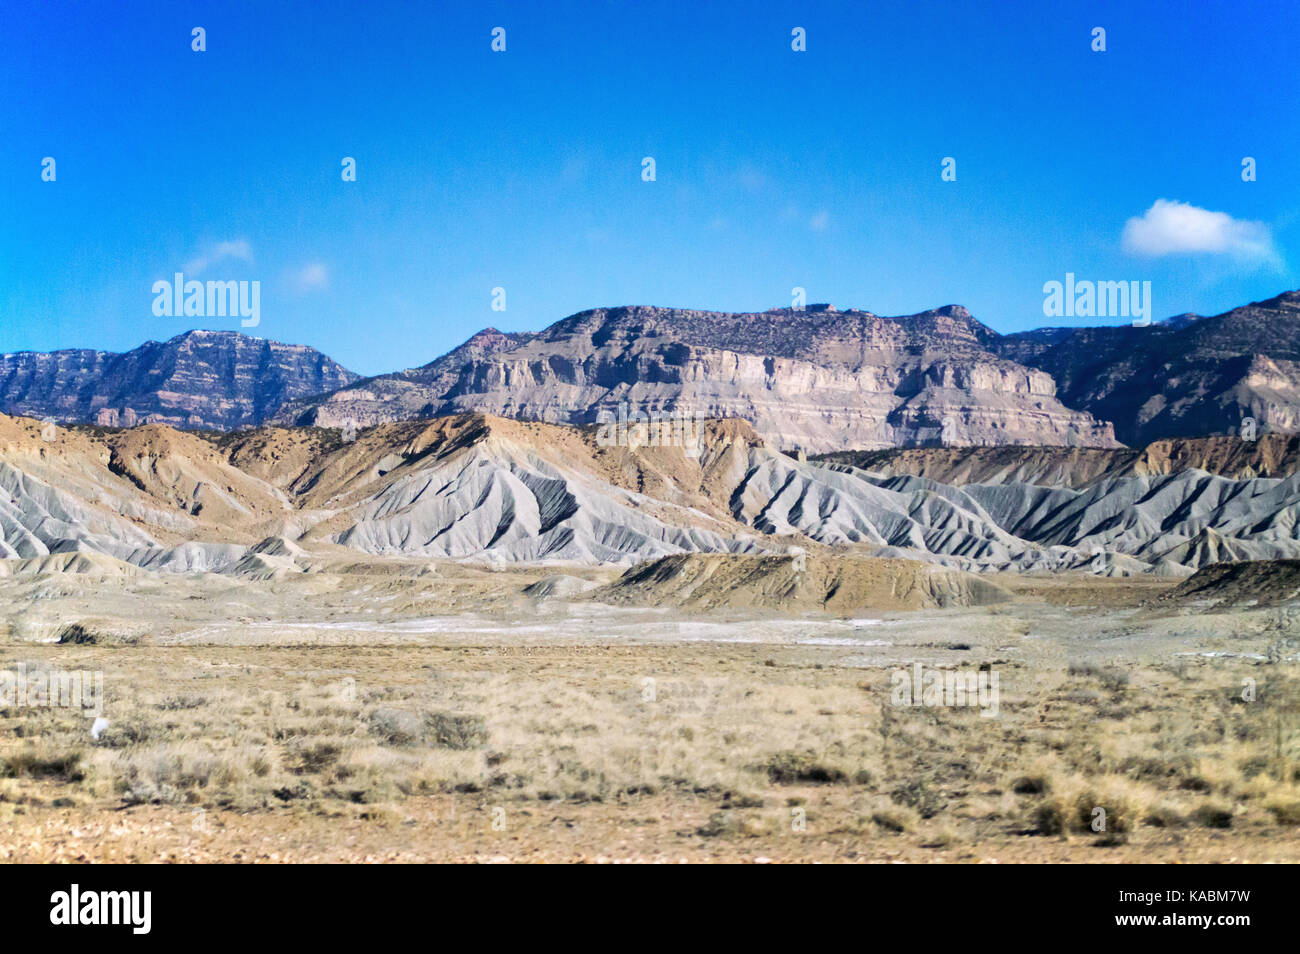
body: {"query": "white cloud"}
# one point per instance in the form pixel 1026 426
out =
pixel 220 252
pixel 1177 228
pixel 312 277
pixel 820 221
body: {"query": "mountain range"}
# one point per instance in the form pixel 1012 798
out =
pixel 816 379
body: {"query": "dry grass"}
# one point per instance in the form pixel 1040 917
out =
pixel 1087 752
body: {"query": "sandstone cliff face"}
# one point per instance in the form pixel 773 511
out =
pixel 816 379
pixel 201 379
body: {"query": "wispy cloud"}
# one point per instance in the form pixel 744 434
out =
pixel 312 277
pixel 239 249
pixel 1177 228
pixel 820 221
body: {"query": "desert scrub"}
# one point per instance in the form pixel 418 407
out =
pixel 35 763
pixel 1212 815
pixel 182 702
pixel 1164 815
pixel 1285 811
pixel 380 769
pixel 317 757
pixel 1083 810
pixel 129 732
pixel 894 819
pixel 787 768
pixel 1110 677
pixel 921 795
pixel 1029 785
pixel 448 730
pixel 178 773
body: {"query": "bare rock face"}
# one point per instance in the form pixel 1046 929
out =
pixel 1185 377
pixel 201 379
pixel 817 379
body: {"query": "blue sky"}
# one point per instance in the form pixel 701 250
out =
pixel 775 169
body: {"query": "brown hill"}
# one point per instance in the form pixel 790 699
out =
pixel 798 582
pixel 475 487
pixel 1253 582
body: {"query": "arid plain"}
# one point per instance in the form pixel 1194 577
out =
pixel 370 714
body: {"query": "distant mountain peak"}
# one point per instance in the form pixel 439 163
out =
pixel 199 378
pixel 489 339
pixel 1287 299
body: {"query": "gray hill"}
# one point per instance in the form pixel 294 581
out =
pixel 265 503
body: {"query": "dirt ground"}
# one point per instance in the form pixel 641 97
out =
pixel 646 830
